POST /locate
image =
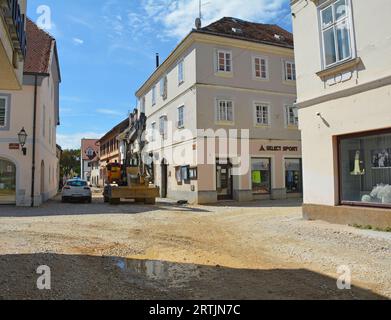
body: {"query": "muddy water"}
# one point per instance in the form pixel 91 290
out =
pixel 90 277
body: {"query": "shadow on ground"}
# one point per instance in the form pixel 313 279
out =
pixel 88 277
pixel 56 208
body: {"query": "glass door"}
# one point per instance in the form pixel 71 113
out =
pixel 7 182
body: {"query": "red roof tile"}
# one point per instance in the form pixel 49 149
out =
pixel 89 144
pixel 250 31
pixel 39 46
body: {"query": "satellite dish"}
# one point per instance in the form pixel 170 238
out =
pixel 198 23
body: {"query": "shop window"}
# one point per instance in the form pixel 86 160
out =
pixel 182 174
pixel 293 176
pixel 261 175
pixel 365 169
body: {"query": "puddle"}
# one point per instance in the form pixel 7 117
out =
pixel 171 275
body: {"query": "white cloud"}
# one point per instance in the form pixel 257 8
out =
pixel 73 140
pixel 178 16
pixel 77 41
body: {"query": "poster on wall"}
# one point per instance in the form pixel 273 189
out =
pixel 356 161
pixel 381 158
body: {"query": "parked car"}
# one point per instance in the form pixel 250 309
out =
pixel 76 189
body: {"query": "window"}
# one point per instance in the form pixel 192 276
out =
pixel 163 87
pixel 181 72
pixel 224 61
pixel 262 114
pixel 163 126
pixel 142 105
pixel 44 121
pixel 292 118
pixel 290 71
pixel 153 95
pixel 3 112
pixel 261 176
pixel 181 113
pixel 336 33
pixel 224 112
pixel 365 169
pixel 153 131
pixel 293 176
pixel 260 66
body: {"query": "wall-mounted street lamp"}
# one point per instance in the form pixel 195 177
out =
pixel 22 137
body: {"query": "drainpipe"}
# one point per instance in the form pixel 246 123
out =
pixel 34 140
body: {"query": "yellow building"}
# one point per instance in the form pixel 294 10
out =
pixel 12 43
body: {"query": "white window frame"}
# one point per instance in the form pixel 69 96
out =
pixel 225 52
pixel 5 111
pixel 153 131
pixel 142 104
pixel 154 95
pixel 181 122
pixel 349 21
pixel 266 66
pixel 163 130
pixel 217 111
pixel 288 122
pixel 163 83
pixel 181 72
pixel 293 68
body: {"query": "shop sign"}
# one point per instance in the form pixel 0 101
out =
pixel 279 148
pixel 14 146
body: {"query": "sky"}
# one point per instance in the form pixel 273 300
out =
pixel 107 50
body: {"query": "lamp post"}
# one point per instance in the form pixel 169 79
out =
pixel 22 137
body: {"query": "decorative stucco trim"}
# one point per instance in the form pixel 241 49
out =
pixel 339 68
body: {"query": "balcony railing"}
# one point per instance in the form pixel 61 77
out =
pixel 16 25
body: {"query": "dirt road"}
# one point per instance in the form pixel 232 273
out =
pixel 251 251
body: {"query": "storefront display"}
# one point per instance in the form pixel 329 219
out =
pixel 293 176
pixel 7 182
pixel 365 169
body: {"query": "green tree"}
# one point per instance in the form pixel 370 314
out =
pixel 70 163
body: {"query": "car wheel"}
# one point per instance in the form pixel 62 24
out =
pixel 89 200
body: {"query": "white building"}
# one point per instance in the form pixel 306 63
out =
pixel 343 57
pixel 30 176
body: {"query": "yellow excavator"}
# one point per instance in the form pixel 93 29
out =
pixel 133 179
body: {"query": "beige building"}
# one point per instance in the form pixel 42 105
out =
pixel 343 58
pixel 231 76
pixel 29 169
pixel 12 43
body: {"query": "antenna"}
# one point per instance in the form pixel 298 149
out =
pixel 198 22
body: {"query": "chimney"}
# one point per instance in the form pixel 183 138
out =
pixel 157 61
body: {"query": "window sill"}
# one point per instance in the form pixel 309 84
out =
pixel 225 123
pixel 292 127
pixel 262 126
pixel 289 82
pixel 339 68
pixel 224 74
pixel 261 79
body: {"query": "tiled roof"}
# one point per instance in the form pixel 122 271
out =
pixel 87 144
pixel 250 31
pixel 39 46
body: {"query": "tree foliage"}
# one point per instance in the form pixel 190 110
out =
pixel 70 163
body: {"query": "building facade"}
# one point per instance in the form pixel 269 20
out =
pixel 344 84
pixel 230 77
pixel 110 149
pixel 12 43
pixel 89 153
pixel 29 170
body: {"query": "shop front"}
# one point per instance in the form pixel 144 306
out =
pixel 365 169
pixel 7 182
